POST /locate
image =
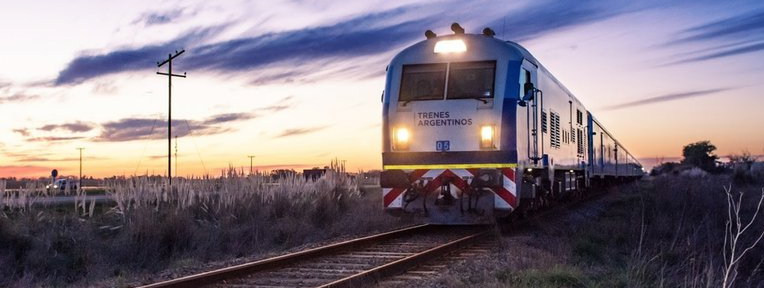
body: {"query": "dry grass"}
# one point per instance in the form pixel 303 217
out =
pixel 664 232
pixel 151 228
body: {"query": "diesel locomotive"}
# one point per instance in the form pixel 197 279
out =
pixel 475 128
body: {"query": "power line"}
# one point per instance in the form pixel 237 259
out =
pixel 169 106
pixel 188 127
pixel 140 159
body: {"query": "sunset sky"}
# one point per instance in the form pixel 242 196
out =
pixel 298 83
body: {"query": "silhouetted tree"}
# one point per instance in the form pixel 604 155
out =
pixel 665 168
pixel 700 154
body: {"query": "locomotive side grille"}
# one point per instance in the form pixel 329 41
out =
pixel 554 122
pixel 543 122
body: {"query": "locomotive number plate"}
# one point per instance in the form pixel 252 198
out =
pixel 442 145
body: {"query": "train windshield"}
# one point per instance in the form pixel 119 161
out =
pixel 469 80
pixel 423 82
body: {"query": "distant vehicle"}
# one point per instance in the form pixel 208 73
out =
pixel 61 184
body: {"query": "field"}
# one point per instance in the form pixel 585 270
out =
pixel 667 231
pixel 664 231
pixel 149 229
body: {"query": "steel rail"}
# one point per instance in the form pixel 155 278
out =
pixel 241 270
pixel 401 265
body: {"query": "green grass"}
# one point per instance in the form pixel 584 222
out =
pixel 558 276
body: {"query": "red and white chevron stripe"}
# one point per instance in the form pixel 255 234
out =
pixel 505 197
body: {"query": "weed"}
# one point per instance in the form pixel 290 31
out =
pixel 557 276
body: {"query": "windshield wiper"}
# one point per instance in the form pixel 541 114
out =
pixel 481 100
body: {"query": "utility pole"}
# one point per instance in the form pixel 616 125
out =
pixel 79 186
pixel 169 106
pixel 250 163
pixel 176 154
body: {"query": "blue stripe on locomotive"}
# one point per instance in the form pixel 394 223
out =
pixel 386 109
pixel 509 110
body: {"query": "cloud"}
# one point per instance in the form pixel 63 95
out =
pixel 228 117
pixel 54 139
pixel 69 159
pixel 157 18
pixel 360 36
pixel 275 108
pixel 364 35
pixel 105 88
pixel 720 53
pixel 130 129
pixel 544 17
pixel 23 131
pixel 742 26
pixel 287 77
pixel 18 97
pixel 315 50
pixel 283 104
pixel 740 34
pixel 90 66
pixel 664 98
pixel 76 127
pixel 299 131
pixel 66 128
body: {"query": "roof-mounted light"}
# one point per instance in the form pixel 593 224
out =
pixel 457 28
pixel 488 32
pixel 450 46
pixel 429 34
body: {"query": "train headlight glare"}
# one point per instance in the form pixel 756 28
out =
pixel 450 46
pixel 401 139
pixel 486 137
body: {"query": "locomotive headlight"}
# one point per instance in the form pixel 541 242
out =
pixel 450 46
pixel 486 137
pixel 401 139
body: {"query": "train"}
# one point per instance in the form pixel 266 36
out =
pixel 473 129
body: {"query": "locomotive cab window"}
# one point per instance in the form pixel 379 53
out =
pixel 468 80
pixel 423 82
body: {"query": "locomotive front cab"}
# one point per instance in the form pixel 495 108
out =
pixel 448 133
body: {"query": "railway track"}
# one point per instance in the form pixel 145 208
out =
pixel 351 263
pixel 363 261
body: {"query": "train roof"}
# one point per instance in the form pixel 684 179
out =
pixel 527 55
pixel 421 52
pixel 512 50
